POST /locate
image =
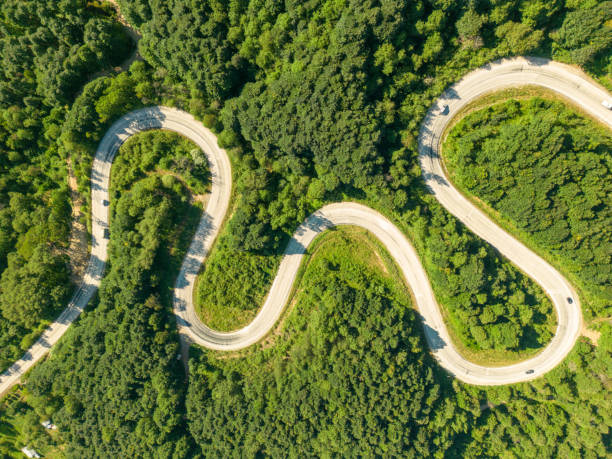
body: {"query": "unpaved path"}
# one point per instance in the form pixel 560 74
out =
pixel 79 239
pixel 594 335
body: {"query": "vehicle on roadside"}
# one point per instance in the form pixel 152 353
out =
pixel 569 300
pixel 607 104
pixel 530 372
pixel 444 110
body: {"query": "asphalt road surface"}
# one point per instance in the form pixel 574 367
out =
pixel 565 80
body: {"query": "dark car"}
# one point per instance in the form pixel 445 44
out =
pixel 569 300
pixel 530 372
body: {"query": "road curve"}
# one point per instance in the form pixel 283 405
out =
pixel 565 80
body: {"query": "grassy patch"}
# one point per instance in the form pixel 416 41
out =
pixel 232 286
pixel 20 426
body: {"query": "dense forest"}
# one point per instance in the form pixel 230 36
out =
pixel 315 101
pixel 131 339
pixel 347 372
pixel 547 170
pixel 49 50
pixel 348 376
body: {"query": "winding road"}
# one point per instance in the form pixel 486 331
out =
pixel 565 80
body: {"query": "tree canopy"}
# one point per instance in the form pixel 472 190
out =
pixel 315 101
pixel 49 49
pixel 547 170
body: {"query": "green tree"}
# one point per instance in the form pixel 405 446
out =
pixel 34 289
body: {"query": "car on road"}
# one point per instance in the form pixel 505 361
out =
pixel 104 202
pixel 569 300
pixel 106 234
pixel 530 372
pixel 607 104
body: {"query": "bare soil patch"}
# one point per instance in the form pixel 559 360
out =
pixel 78 248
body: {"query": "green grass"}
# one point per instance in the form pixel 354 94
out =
pixel 346 247
pixel 232 286
pixel 230 302
pixel 20 426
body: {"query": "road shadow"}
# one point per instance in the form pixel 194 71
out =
pixel 440 180
pixel 192 261
pixel 316 222
pixel 179 304
pixel 83 294
pixel 537 61
pixel 44 343
pixel 96 180
pixel 294 247
pixel 433 338
pixel 450 94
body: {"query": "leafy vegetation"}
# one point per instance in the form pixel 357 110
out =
pixel 225 302
pixel 105 99
pixel 49 50
pixel 158 152
pixel 297 141
pixel 315 101
pixel 147 205
pixel 346 373
pixel 21 425
pixel 546 169
pixel 491 307
pixel 308 392
pixel 122 355
pixel 564 414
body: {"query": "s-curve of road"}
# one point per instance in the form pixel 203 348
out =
pixel 567 81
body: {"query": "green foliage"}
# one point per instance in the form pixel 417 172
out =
pixel 49 49
pixel 162 152
pixel 584 34
pixel 491 305
pixel 564 414
pixel 206 27
pixel 469 25
pixel 518 38
pixel 547 170
pixel 105 99
pixel 346 374
pixel 122 394
pixel 318 101
pixel 231 287
pixel 32 290
pixel 21 425
pixel 118 98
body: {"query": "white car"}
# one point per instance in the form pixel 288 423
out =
pixel 607 104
